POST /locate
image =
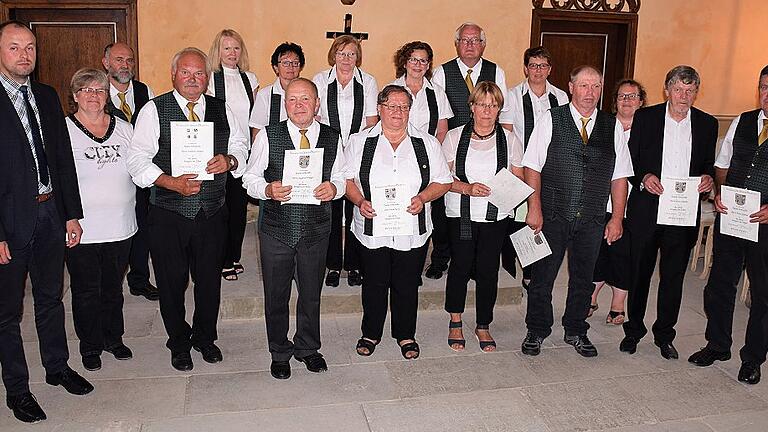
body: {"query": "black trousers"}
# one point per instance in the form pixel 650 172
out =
pixel 280 263
pixel 138 276
pixel 394 275
pixel 96 274
pixel 441 242
pixel 581 238
pixel 237 207
pixel 508 252
pixel 342 254
pixel 181 247
pixel 674 246
pixel 480 254
pixel 730 254
pixel 43 259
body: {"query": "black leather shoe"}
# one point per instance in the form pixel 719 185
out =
pixel 332 279
pixel 70 380
pixel 532 344
pixel 92 362
pixel 149 292
pixel 581 344
pixel 629 344
pixel 354 278
pixel 280 369
pixel 668 350
pixel 434 271
pixel 121 352
pixel 182 361
pixel 314 362
pixel 707 356
pixel 211 353
pixel 749 373
pixel 25 408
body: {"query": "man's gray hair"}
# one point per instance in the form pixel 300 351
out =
pixel 575 72
pixel 684 74
pixel 461 28
pixel 190 50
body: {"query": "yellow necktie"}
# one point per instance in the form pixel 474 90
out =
pixel 763 133
pixel 124 106
pixel 304 143
pixel 468 80
pixel 584 136
pixel 192 116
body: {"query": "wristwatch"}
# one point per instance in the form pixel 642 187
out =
pixel 232 162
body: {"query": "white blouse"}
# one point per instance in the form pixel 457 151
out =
pixel 419 114
pixel 236 97
pixel 346 98
pixel 262 106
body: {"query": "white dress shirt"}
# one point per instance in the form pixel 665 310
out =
pixel 262 106
pixel 726 149
pixel 390 167
pixel 438 78
pixel 609 206
pixel 540 105
pixel 237 99
pixel 676 147
pixel 130 96
pixel 346 98
pixel 253 178
pixel 144 145
pixel 480 166
pixel 419 114
pixel 536 154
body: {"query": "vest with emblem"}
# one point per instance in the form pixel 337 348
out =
pixel 211 195
pixel 749 163
pixel 458 93
pixel 576 177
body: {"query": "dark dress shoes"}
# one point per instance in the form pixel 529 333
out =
pixel 532 344
pixel 70 380
pixel 629 344
pixel 120 351
pixel 25 408
pixel 707 356
pixel 581 344
pixel 149 292
pixel 668 350
pixel 211 353
pixel 92 362
pixel 354 278
pixel 280 369
pixel 749 373
pixel 182 361
pixel 314 362
pixel 332 279
pixel 434 271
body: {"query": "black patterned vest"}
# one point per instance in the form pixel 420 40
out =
pixel 458 93
pixel 140 98
pixel 333 105
pixel 529 118
pixel 749 163
pixel 576 178
pixel 289 223
pixel 211 195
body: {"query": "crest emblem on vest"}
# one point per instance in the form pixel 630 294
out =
pixel 390 193
pixel 303 161
pixel 680 187
pixel 741 199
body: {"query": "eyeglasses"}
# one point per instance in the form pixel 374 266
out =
pixel 470 41
pixel 288 63
pixel 91 90
pixel 484 106
pixel 348 55
pixel 538 66
pixel 627 96
pixel 393 108
pixel 414 61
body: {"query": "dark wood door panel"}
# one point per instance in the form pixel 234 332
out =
pixel 571 50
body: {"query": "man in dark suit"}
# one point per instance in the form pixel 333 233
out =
pixel 39 201
pixel 671 139
pixel 126 97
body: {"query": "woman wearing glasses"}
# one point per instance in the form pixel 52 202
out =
pixel 347 104
pixel 613 266
pixel 233 83
pixel 98 264
pixel 475 152
pixel 393 172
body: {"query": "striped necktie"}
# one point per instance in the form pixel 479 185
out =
pixel 192 116
pixel 124 106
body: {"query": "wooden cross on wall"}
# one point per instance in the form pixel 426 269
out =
pixel 347 30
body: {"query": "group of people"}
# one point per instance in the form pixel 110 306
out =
pixel 434 137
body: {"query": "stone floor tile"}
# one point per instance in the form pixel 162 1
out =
pixel 749 421
pixel 672 426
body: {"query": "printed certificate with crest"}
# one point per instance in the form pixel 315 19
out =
pixel 741 203
pixel 530 247
pixel 303 171
pixel 679 204
pixel 390 202
pixel 191 148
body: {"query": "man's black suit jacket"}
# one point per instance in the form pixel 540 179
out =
pixel 18 175
pixel 646 145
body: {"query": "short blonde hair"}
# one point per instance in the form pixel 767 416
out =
pixel 214 54
pixel 339 43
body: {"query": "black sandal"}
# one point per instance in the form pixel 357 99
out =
pixel 238 268
pixel 409 347
pixel 229 274
pixel 460 342
pixel 368 344
pixel 485 344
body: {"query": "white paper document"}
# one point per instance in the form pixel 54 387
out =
pixel 530 247
pixel 191 148
pixel 507 191
pixel 303 171
pixel 390 202
pixel 679 204
pixel 741 203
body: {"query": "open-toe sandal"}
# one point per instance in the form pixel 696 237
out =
pixel 238 268
pixel 410 347
pixel 485 344
pixel 461 343
pixel 365 344
pixel 615 317
pixel 592 309
pixel 229 274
